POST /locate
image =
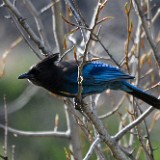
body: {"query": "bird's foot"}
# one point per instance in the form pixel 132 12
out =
pixel 78 104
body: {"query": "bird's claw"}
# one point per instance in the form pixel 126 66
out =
pixel 78 104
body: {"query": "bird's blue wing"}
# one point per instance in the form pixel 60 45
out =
pixel 97 73
pixel 102 73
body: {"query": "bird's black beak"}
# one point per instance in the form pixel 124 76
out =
pixel 24 76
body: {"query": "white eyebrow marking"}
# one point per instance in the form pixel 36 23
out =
pixel 32 66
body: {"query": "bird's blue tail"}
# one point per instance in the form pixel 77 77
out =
pixel 136 92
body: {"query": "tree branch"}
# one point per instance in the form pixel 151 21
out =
pixel 58 25
pixel 148 35
pixel 38 134
pixel 104 135
pixel 21 101
pixel 92 147
pixel 38 21
pixel 122 132
pixel 26 27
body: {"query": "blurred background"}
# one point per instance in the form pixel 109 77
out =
pixel 39 113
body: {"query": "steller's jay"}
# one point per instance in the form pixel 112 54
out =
pixel 61 78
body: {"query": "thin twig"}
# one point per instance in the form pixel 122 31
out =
pixel 108 114
pixel 66 52
pixel 122 132
pixel 92 105
pixel 129 31
pixel 47 7
pixel 25 37
pixel 5 54
pixel 92 147
pixel 150 154
pixel 17 132
pixel 117 152
pixel 156 16
pixel 75 144
pixel 39 24
pixel 84 127
pixel 5 129
pixel 106 50
pixel 13 152
pixel 26 27
pixel 21 101
pixel 148 35
pixel 76 13
pixel 87 43
pixel 57 25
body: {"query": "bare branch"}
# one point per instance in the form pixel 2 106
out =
pixel 129 31
pixel 92 147
pixel 38 21
pixel 106 50
pixel 44 9
pixel 148 35
pixel 5 129
pixel 22 100
pixel 26 27
pixel 78 17
pixel 75 144
pixel 25 37
pixel 5 55
pixel 38 134
pixel 13 152
pixel 156 15
pixel 122 132
pixel 108 114
pixel 86 46
pixel 104 135
pixel 58 25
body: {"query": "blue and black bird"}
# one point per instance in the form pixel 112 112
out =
pixel 61 78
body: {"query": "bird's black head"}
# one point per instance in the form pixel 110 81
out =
pixel 40 74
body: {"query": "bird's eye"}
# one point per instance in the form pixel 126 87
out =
pixel 33 74
pixel 34 71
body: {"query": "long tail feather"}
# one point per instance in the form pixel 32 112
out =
pixel 136 92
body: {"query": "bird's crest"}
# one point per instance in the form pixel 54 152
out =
pixel 49 60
